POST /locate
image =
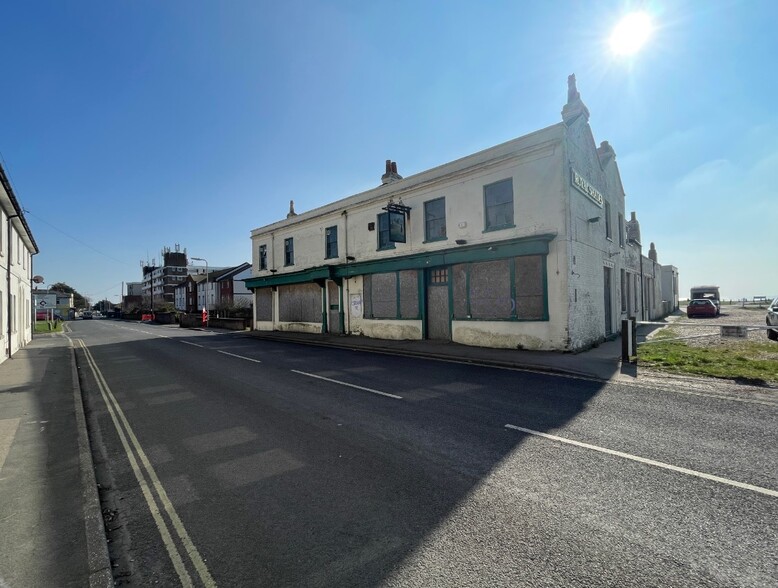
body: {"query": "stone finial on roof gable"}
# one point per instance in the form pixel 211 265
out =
pixel 575 106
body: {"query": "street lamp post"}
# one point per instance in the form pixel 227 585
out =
pixel 207 287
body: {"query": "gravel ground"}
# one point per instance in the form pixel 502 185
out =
pixel 730 315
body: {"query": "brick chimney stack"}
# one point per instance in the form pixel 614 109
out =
pixel 391 174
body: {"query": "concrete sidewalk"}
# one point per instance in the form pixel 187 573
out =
pixel 601 363
pixel 51 526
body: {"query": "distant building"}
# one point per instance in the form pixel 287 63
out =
pixel 521 245
pixel 159 282
pixel 17 246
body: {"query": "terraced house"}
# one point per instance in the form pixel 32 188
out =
pixel 17 246
pixel 522 245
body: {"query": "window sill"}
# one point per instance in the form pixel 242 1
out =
pixel 499 228
pixel 387 248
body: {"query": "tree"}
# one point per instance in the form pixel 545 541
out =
pixel 79 301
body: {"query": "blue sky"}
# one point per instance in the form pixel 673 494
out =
pixel 126 126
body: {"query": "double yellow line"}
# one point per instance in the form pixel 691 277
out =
pixel 152 489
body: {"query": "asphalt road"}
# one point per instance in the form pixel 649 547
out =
pixel 225 460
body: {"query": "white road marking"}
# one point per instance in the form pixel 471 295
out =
pixel 651 462
pixel 193 344
pixel 124 431
pixel 347 384
pixel 239 356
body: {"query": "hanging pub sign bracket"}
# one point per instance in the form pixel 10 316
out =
pixel 397 215
pixel 392 207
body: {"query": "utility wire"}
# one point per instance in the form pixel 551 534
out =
pixel 76 239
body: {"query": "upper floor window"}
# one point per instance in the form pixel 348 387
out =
pixel 330 242
pixel 621 230
pixel 263 257
pixel 608 228
pixel 498 205
pixel 435 220
pixel 289 251
pixel 383 232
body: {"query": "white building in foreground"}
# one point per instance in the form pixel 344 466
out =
pixel 522 245
pixel 17 247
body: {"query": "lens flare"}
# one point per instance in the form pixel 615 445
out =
pixel 631 33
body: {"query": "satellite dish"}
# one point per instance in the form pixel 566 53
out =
pixel 38 279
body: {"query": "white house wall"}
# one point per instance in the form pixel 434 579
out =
pixel 17 260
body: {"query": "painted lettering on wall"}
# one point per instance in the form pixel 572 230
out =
pixel 586 188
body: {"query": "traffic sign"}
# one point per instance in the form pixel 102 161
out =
pixel 42 303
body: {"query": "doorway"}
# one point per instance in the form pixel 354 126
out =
pixel 438 309
pixel 607 290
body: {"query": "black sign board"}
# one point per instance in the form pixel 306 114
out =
pixel 396 227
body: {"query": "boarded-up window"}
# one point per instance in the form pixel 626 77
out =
pixel 265 304
pixel 459 286
pixel 380 294
pixel 300 303
pixel 529 287
pixel 490 290
pixel 409 294
pixel 384 295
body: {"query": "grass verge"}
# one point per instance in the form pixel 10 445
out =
pixel 752 362
pixel 47 327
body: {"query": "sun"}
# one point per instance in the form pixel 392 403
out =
pixel 631 33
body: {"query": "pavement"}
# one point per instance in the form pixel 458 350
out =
pixel 602 362
pixel 51 526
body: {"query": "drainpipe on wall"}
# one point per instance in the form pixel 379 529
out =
pixel 345 317
pixel 642 288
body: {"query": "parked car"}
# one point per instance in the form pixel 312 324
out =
pixel 772 319
pixel 87 314
pixel 701 307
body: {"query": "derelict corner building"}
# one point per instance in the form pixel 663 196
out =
pixel 522 245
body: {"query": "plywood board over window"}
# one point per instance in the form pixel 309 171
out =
pixel 392 295
pixel 300 303
pixel 504 289
pixel 490 290
pixel 265 304
pixel 409 294
pixel 530 288
pixel 384 295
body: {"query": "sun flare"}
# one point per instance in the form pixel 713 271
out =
pixel 631 33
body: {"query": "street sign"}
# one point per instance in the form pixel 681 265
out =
pixel 42 303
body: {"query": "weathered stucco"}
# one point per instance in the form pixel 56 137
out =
pixel 387 329
pixel 299 327
pixel 504 335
